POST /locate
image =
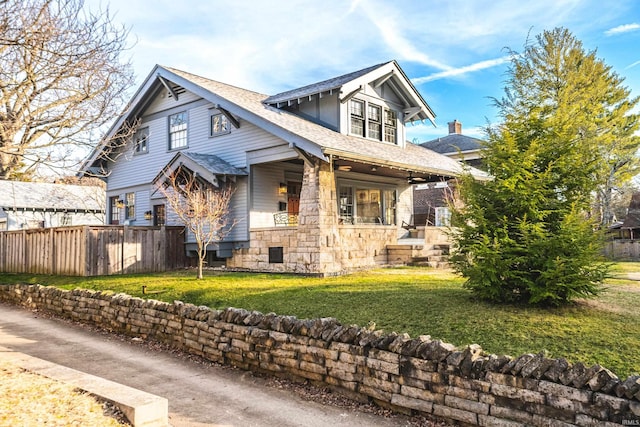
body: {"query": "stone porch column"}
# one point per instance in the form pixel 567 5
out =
pixel 318 219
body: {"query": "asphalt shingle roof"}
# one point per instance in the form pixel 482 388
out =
pixel 319 87
pixel 633 216
pixel 452 143
pixel 214 164
pixel 411 157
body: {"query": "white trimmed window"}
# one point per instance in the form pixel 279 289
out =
pixel 130 206
pixel 142 141
pixel 443 217
pixel 219 125
pixel 390 126
pixel 178 130
pixel 377 123
pixel 356 111
pixel 358 204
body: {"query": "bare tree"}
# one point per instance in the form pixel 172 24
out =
pixel 202 207
pixel 62 78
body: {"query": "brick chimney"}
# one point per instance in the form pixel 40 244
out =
pixel 455 127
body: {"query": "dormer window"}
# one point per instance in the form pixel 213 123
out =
pixel 357 117
pixel 378 123
pixel 390 126
pixel 375 122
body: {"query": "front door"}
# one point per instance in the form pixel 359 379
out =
pixel 293 197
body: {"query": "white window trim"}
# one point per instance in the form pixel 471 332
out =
pixel 137 138
pixel 384 202
pixel 169 133
pixel 128 206
pixel 383 126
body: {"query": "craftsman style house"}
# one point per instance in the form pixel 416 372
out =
pixel 322 173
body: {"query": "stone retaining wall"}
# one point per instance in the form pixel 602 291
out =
pixel 420 374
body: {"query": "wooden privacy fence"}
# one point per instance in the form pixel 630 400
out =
pixel 92 250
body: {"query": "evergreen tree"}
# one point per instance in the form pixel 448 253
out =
pixel 566 124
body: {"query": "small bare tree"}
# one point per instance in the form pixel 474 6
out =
pixel 202 207
pixel 62 77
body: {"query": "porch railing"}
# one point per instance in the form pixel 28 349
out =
pixel 285 219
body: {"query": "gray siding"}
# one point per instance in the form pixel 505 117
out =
pixel 329 111
pixel 135 172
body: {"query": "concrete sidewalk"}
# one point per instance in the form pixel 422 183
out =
pixel 198 394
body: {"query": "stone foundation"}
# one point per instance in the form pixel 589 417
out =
pixel 409 375
pixel 353 247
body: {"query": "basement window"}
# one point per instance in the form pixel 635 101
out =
pixel 276 255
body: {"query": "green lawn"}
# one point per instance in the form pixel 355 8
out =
pixel 418 301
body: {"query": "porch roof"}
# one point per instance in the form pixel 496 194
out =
pixel 207 166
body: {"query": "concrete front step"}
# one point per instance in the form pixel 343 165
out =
pixel 435 255
pixel 432 264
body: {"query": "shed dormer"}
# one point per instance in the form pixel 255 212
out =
pixel 374 103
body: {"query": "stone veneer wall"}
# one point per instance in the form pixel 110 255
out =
pixel 423 375
pixel 356 246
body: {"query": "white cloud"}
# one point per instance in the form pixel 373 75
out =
pixel 622 29
pixel 456 72
pixel 632 65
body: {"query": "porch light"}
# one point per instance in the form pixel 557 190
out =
pixel 148 215
pixel 120 204
pixel 282 189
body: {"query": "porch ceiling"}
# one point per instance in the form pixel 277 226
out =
pixel 417 176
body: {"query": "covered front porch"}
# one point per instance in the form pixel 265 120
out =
pixel 345 219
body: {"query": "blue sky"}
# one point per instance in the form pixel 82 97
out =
pixel 453 51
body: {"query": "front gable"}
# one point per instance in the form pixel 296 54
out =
pixel 374 103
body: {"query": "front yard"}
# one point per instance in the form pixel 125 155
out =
pixel 414 300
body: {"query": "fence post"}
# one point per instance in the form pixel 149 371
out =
pixel 52 251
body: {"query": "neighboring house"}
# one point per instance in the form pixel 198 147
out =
pixel 36 205
pixel 431 200
pixel 322 173
pixel 629 228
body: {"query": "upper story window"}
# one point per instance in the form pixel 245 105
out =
pixel 375 122
pixel 378 123
pixel 219 124
pixel 178 130
pixel 390 126
pixel 141 139
pixel 356 111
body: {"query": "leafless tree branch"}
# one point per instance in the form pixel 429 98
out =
pixel 62 78
pixel 201 207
